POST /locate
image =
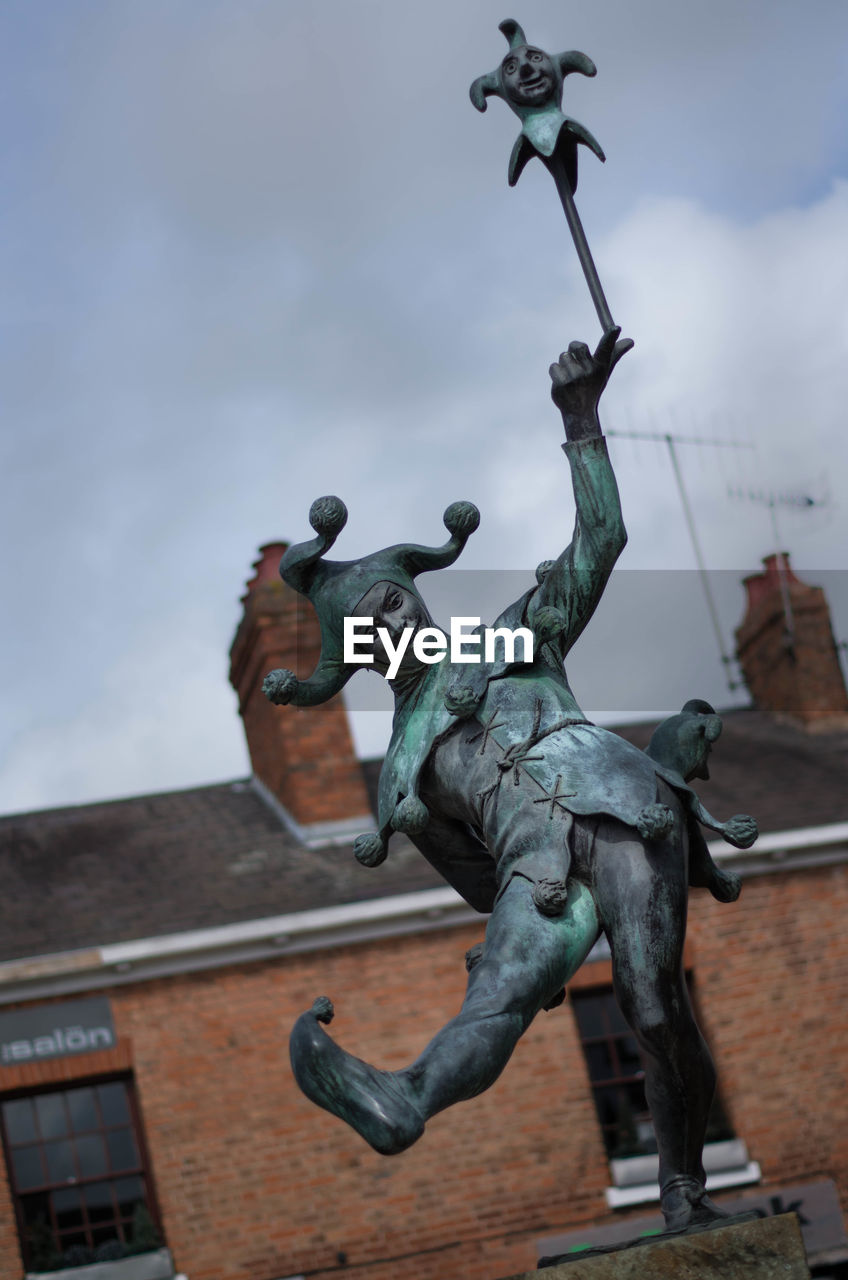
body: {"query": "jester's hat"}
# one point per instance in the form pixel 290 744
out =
pixel 335 588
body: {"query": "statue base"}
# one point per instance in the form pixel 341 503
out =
pixel 758 1249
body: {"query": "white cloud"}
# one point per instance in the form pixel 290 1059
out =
pixel 742 334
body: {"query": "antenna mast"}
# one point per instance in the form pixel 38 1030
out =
pixel 666 438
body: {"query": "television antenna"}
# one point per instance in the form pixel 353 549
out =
pixel 670 440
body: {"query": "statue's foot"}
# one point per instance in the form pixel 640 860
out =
pixel 372 1102
pixel 685 1204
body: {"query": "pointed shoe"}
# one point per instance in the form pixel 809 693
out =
pixel 372 1102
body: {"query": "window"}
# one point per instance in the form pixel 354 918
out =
pixel 617 1077
pixel 78 1176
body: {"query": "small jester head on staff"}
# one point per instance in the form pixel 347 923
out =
pixel 530 82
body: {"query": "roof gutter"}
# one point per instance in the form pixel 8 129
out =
pixel 63 973
pixel 115 964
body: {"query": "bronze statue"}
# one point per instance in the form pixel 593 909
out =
pixel 562 830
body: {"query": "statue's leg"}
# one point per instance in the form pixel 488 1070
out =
pixel 526 960
pixel 641 891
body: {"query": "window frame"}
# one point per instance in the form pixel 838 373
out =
pixel 719 1116
pixel 143 1169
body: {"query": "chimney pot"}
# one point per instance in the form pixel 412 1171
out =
pixel 787 651
pixel 305 757
pixel 267 567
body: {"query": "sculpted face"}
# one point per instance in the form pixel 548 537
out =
pixel 395 609
pixel 528 77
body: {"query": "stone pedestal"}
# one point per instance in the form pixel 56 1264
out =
pixel 763 1249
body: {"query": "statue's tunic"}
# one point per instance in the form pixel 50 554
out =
pixel 519 788
pixel 528 827
pixel 527 722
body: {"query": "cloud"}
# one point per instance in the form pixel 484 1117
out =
pixel 742 335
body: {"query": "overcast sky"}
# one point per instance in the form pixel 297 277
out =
pixel 255 251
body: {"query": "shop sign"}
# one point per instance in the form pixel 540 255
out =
pixel 55 1031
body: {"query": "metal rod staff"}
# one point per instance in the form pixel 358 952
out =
pixel 530 82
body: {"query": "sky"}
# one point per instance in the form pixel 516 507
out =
pixel 255 251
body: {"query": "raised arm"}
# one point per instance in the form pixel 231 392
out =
pixel 574 582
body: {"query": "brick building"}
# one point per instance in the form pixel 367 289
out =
pixel 156 951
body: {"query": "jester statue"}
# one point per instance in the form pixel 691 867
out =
pixel 561 831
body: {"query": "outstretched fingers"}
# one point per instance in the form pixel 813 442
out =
pixel 578 359
pixel 605 348
pixel 611 348
pixel 621 348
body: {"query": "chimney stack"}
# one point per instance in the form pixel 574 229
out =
pixel 304 757
pixel 786 648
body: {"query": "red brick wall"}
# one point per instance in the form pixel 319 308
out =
pixel 256 1183
pixel 241 1156
pixel 11 1262
pixel 772 983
